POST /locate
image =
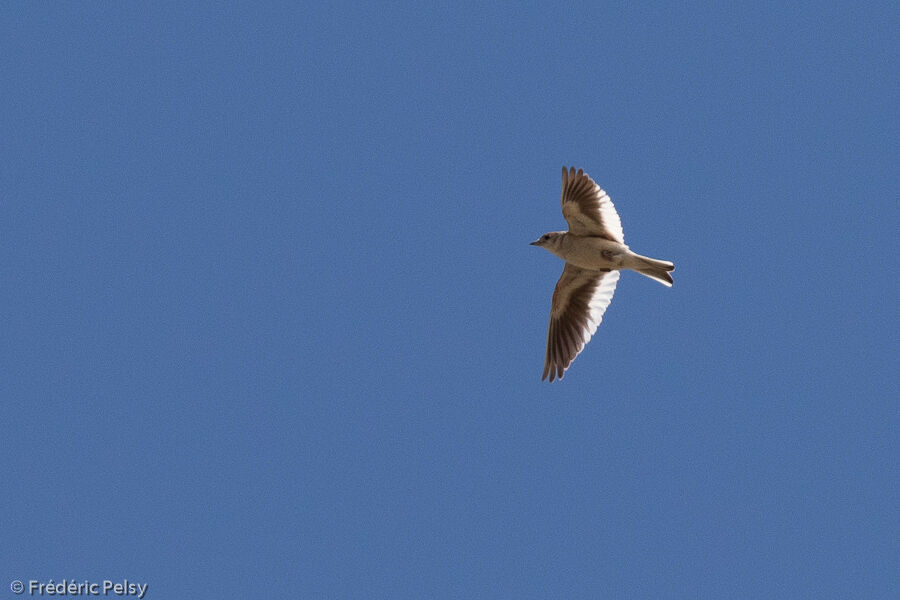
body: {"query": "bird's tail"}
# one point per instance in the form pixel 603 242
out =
pixel 654 269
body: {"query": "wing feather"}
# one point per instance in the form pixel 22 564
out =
pixel 579 301
pixel 587 208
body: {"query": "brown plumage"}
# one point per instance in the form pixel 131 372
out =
pixel 594 250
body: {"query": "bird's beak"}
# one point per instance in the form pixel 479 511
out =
pixel 535 243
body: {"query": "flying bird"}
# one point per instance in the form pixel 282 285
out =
pixel 594 250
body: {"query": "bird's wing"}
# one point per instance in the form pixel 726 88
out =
pixel 587 208
pixel 579 301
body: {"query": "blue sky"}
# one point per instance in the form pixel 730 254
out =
pixel 273 326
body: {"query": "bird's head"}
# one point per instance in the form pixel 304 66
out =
pixel 550 241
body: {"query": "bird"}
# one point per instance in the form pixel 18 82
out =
pixel 594 250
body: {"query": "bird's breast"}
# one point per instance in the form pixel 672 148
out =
pixel 590 252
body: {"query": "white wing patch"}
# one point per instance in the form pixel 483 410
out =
pixel 609 216
pixel 600 302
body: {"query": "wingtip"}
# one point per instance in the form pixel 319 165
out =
pixel 549 371
pixel 554 372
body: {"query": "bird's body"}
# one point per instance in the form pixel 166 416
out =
pixel 596 253
pixel 594 250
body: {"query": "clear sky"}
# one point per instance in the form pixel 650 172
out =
pixel 272 326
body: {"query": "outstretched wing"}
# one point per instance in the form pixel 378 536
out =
pixel 579 301
pixel 587 208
